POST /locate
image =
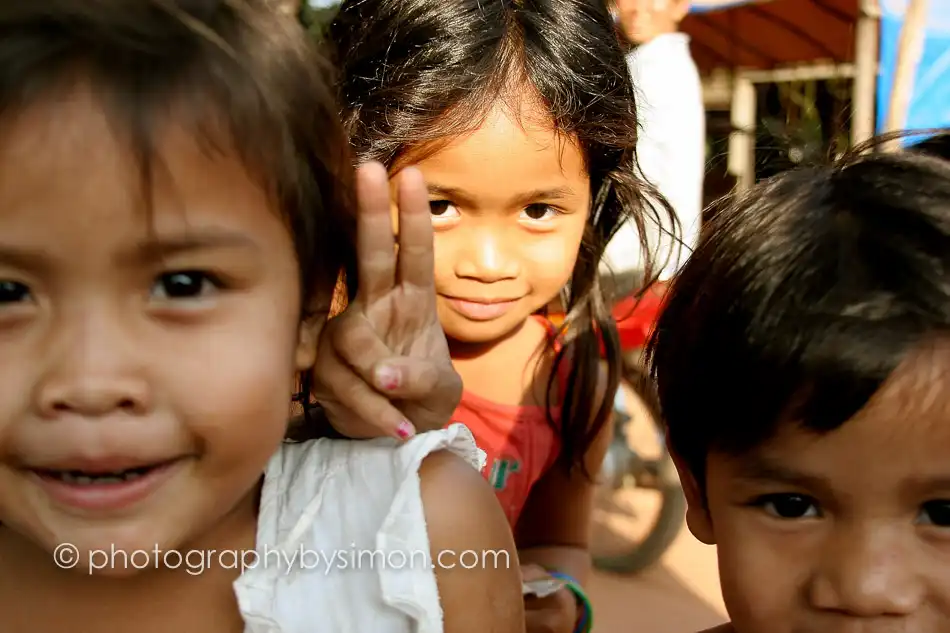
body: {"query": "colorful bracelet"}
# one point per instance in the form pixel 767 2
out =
pixel 586 622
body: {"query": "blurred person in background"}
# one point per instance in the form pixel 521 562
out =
pixel 671 143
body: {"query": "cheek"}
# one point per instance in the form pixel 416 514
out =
pixel 238 405
pixel 550 259
pixel 755 583
pixel 763 573
pixel 17 381
pixel 549 263
pixel 443 253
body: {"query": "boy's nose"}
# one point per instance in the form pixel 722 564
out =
pixel 868 573
pixel 90 373
pixel 487 257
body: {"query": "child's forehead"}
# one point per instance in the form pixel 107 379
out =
pixel 903 433
pixel 68 170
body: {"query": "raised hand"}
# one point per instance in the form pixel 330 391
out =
pixel 383 365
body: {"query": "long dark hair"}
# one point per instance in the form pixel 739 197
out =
pixel 412 71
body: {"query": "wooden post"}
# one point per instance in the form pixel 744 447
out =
pixel 909 49
pixel 864 87
pixel 742 140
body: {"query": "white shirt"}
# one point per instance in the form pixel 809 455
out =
pixel 355 508
pixel 671 150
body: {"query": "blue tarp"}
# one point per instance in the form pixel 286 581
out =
pixel 718 6
pixel 930 100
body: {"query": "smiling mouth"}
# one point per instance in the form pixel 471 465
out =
pixel 102 473
pixel 104 487
pixel 85 478
pixel 481 309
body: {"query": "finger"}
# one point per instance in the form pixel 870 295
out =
pixel 416 259
pixel 358 345
pixel 361 407
pixel 375 244
pixel 543 621
pixel 348 425
pixel 408 378
pixel 530 571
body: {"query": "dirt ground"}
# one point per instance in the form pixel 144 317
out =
pixel 678 595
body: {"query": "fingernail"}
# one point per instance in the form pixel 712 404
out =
pixel 405 430
pixel 388 377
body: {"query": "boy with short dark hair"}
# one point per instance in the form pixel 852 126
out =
pixel 803 366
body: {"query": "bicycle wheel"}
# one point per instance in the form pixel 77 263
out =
pixel 640 503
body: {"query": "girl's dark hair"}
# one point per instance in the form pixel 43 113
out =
pixel 245 78
pixel 414 71
pixel 801 299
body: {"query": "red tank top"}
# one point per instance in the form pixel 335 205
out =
pixel 520 444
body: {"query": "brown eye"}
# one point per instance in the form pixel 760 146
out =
pixel 441 208
pixel 13 292
pixel 539 212
pixel 937 513
pixel 789 506
pixel 183 285
pixel 444 213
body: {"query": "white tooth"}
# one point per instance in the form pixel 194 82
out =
pixel 132 476
pixel 84 480
pixel 109 480
pixel 67 477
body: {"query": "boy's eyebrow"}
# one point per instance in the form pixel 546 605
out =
pixel 928 484
pixel 454 193
pixel 761 468
pixel 33 261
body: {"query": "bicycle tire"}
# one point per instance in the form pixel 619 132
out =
pixel 672 513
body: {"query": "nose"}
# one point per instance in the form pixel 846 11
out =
pixel 870 573
pixel 487 256
pixel 91 371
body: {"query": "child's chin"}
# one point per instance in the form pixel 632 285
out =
pixel 118 551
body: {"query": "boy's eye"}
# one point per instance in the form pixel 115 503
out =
pixel 539 212
pixel 13 292
pixel 443 210
pixel 789 506
pixel 183 285
pixel 936 513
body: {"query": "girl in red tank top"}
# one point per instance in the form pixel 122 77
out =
pixel 522 123
pixel 520 443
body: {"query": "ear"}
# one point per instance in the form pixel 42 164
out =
pixel 307 338
pixel 697 515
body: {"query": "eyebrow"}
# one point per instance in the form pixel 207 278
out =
pixel 925 484
pixel 520 199
pixel 33 261
pixel 163 247
pixel 762 469
pixel 37 261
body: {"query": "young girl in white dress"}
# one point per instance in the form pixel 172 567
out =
pixel 176 206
